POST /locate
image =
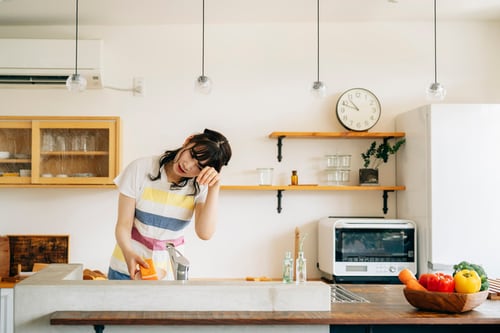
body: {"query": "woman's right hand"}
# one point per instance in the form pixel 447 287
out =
pixel 134 263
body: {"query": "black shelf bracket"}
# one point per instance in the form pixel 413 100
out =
pixel 280 145
pixel 387 138
pixel 99 328
pixel 385 209
pixel 279 195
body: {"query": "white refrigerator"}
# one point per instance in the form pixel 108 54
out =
pixel 450 166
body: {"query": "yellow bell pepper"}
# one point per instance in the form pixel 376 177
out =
pixel 467 281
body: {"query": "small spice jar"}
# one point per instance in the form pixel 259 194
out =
pixel 294 178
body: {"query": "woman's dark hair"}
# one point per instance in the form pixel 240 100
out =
pixel 210 149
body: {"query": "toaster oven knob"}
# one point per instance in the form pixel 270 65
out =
pixel 392 269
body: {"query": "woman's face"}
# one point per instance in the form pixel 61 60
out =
pixel 185 165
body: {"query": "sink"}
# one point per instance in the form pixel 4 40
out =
pixel 340 294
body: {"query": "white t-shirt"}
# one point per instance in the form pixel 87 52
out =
pixel 161 213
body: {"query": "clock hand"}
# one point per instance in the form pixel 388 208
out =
pixel 355 106
pixel 344 103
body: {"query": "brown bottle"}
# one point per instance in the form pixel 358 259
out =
pixel 295 178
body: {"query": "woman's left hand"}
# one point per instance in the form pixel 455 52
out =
pixel 208 176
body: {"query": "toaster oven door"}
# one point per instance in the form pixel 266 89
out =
pixel 373 253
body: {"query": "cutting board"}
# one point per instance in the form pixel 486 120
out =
pixel 26 250
pixel 4 257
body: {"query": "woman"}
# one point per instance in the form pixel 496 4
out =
pixel 158 197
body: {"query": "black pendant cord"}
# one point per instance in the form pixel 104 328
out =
pixel 317 22
pixel 435 45
pixel 76 40
pixel 203 40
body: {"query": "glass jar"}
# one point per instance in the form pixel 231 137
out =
pixel 265 176
pixel 337 176
pixel 338 161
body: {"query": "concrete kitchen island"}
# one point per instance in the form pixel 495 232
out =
pixel 60 287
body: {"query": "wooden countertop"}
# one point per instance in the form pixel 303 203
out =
pixel 7 284
pixel 387 306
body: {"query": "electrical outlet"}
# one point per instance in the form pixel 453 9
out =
pixel 138 86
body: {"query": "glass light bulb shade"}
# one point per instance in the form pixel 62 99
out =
pixel 436 92
pixel 318 89
pixel 203 84
pixel 76 82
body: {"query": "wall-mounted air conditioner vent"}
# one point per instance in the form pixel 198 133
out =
pixel 32 79
pixel 37 62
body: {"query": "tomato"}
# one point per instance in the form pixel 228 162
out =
pixel 441 282
pixel 467 281
pixel 424 279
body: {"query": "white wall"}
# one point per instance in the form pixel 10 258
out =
pixel 262 74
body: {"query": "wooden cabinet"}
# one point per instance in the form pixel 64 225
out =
pixel 280 136
pixel 6 310
pixel 59 151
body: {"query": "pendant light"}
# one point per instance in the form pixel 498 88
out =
pixel 318 88
pixel 436 91
pixel 203 83
pixel 76 82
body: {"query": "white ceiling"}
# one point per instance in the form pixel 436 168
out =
pixel 152 12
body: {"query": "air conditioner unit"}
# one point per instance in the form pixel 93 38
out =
pixel 37 62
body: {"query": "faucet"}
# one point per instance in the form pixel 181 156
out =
pixel 180 264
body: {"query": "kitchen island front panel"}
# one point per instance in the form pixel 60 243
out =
pixel 59 287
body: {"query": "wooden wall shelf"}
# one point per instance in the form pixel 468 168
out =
pixel 326 135
pixel 331 135
pixel 311 188
pixel 280 188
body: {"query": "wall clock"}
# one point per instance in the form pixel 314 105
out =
pixel 358 109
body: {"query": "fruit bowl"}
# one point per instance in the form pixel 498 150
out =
pixel 444 302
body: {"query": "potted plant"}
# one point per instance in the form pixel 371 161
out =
pixel 374 157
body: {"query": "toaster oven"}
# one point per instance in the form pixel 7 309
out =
pixel 366 250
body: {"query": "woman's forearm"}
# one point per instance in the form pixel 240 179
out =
pixel 123 229
pixel 207 214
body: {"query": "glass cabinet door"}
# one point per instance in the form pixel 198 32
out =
pixel 15 152
pixel 74 152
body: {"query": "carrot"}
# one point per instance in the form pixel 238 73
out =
pixel 414 285
pixel 406 276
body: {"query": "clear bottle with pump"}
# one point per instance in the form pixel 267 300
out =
pixel 301 268
pixel 288 268
pixel 295 178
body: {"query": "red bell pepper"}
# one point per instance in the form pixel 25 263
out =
pixel 424 279
pixel 441 282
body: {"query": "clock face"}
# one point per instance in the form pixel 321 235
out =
pixel 358 109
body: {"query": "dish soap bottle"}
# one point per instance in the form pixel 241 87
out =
pixel 288 268
pixel 301 267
